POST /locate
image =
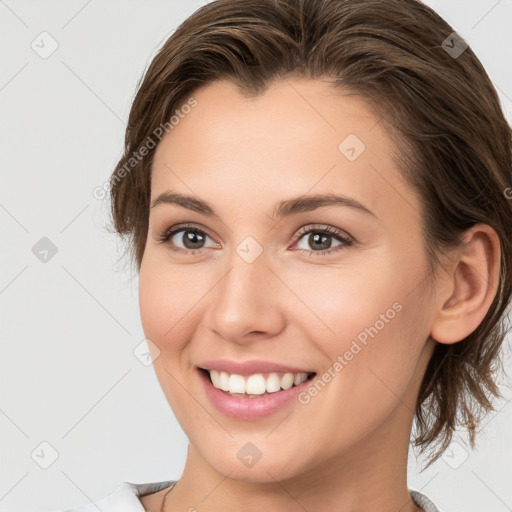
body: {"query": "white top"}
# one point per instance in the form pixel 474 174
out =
pixel 125 499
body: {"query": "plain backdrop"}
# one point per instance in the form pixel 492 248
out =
pixel 79 411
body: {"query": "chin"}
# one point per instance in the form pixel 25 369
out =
pixel 261 472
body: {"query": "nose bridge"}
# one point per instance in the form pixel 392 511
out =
pixel 246 298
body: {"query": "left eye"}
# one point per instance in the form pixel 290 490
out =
pixel 322 239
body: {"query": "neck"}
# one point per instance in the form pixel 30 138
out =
pixel 370 476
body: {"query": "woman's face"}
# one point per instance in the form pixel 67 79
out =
pixel 335 288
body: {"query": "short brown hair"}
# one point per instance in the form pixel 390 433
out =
pixel 453 143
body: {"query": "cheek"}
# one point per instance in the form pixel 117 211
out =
pixel 371 328
pixel 343 303
pixel 167 312
pixel 157 309
pixel 168 303
pixel 360 327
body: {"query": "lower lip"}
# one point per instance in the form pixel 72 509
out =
pixel 246 408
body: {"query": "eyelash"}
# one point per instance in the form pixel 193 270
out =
pixel 328 230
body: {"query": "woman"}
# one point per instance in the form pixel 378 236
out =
pixel 316 198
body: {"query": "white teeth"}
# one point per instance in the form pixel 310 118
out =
pixel 273 383
pixel 255 384
pixel 214 375
pixel 287 380
pixel 223 381
pixel 299 377
pixel 236 384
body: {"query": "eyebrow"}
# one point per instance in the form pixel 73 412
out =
pixel 284 209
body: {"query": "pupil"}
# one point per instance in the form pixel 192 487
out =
pixel 320 237
pixel 191 239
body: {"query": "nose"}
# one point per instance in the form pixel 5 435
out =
pixel 245 304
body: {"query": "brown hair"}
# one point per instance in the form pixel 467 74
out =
pixel 453 143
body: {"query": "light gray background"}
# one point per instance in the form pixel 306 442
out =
pixel 69 326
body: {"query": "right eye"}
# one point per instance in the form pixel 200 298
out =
pixel 192 238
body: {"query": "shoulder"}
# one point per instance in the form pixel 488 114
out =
pixel 152 499
pixel 423 501
pixel 125 498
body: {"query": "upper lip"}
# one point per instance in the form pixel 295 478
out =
pixel 249 367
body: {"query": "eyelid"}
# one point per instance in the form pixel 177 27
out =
pixel 326 228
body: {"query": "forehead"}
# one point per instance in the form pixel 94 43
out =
pixel 299 136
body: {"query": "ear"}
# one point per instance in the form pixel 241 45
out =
pixel 470 285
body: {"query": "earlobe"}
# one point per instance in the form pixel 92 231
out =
pixel 472 282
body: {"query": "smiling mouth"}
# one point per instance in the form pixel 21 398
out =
pixel 257 384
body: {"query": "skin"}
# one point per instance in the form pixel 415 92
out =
pixel 347 448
